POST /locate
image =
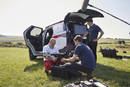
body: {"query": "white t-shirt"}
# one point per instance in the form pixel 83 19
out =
pixel 47 49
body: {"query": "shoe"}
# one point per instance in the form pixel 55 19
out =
pixel 89 75
pixel 89 78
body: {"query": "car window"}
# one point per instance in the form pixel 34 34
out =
pixel 59 33
pixel 80 29
pixel 36 32
pixel 58 28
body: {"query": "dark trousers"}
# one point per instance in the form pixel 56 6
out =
pixel 77 68
pixel 93 47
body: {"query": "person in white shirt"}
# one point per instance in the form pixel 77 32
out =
pixel 51 49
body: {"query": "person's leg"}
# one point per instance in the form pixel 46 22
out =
pixel 76 67
pixel 47 65
pixel 88 71
pixel 93 47
pixel 89 75
pixel 73 68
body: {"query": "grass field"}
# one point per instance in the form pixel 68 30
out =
pixel 16 70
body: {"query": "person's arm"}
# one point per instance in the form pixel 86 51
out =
pixel 72 59
pixel 86 33
pixel 100 35
pixel 75 55
pixel 49 58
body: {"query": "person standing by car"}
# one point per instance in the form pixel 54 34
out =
pixel 50 60
pixel 85 56
pixel 93 35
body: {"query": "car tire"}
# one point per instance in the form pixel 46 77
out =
pixel 32 57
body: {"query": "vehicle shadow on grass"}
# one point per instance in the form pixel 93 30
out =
pixel 110 74
pixel 34 67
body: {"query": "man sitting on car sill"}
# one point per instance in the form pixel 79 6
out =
pixel 50 60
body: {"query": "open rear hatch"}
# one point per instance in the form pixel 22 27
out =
pixel 81 17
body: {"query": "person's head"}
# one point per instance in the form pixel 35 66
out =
pixel 77 39
pixel 52 42
pixel 90 21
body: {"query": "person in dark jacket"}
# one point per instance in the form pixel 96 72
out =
pixel 85 56
pixel 94 34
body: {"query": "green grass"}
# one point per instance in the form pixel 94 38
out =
pixel 16 70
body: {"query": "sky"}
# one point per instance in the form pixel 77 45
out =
pixel 17 15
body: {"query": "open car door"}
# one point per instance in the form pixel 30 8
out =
pixel 33 40
pixel 80 17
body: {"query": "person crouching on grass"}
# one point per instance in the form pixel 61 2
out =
pixel 50 60
pixel 84 54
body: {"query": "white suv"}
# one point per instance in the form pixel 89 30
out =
pixel 64 32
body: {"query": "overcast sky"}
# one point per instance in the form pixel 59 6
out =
pixel 17 15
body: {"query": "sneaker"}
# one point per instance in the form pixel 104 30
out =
pixel 89 78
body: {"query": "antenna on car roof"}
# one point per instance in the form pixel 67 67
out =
pixel 109 14
pixel 84 6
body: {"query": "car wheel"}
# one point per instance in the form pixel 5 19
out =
pixel 32 57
